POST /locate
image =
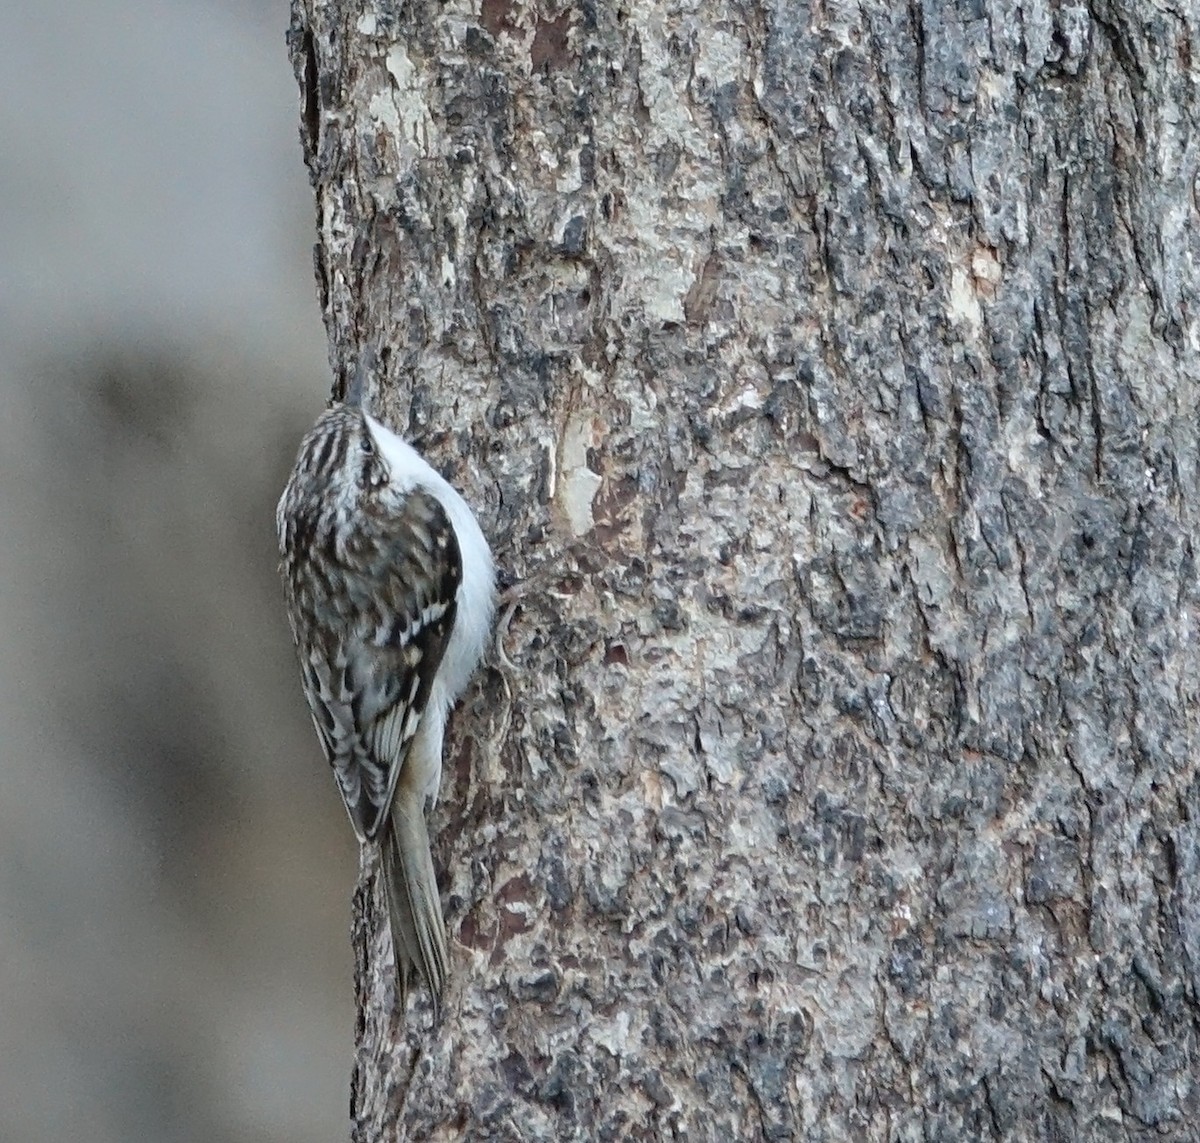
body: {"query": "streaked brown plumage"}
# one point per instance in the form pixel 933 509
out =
pixel 388 623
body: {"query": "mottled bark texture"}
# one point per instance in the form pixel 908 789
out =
pixel 829 372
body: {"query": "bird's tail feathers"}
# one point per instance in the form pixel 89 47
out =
pixel 414 908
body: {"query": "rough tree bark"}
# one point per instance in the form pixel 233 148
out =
pixel 831 373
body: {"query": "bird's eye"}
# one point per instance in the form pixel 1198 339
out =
pixel 368 445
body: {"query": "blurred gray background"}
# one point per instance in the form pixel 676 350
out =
pixel 175 866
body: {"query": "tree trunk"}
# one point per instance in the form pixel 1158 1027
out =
pixel 827 374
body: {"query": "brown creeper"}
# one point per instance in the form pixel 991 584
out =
pixel 390 590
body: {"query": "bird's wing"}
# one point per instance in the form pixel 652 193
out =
pixel 369 677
